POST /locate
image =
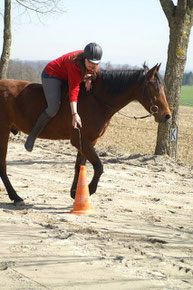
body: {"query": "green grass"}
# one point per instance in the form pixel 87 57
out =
pixel 186 98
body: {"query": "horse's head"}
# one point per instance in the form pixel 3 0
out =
pixel 154 98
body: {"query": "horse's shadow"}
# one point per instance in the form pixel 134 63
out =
pixel 31 162
pixel 54 210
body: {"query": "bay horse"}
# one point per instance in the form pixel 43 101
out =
pixel 22 102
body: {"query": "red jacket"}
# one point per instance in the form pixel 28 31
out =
pixel 64 69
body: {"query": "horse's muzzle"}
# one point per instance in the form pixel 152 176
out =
pixel 167 117
pixel 162 118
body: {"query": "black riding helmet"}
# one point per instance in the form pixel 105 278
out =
pixel 93 52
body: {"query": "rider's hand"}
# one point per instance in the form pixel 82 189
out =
pixel 76 121
pixel 88 84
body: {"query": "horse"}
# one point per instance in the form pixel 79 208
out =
pixel 22 102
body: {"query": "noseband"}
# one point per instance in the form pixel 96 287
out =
pixel 154 109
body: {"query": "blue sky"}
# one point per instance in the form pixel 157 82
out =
pixel 129 31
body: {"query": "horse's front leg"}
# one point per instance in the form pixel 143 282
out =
pixel 98 170
pixel 90 154
pixel 80 160
pixel 93 158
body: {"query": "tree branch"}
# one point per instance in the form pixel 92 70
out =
pixel 190 4
pixel 40 6
pixel 182 4
pixel 168 8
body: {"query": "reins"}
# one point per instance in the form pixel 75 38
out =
pixel 80 140
pixel 129 117
pixel 152 112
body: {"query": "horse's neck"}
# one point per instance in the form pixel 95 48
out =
pixel 119 101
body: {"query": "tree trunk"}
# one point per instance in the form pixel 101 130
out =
pixel 4 62
pixel 180 22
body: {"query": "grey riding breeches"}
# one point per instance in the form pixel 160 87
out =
pixel 52 90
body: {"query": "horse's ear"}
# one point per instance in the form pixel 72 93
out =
pixel 158 67
pixel 151 72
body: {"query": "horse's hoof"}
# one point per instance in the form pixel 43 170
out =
pixel 19 203
pixel 91 189
pixel 73 193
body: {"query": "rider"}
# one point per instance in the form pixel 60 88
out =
pixel 73 67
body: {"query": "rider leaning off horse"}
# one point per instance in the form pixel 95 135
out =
pixel 73 67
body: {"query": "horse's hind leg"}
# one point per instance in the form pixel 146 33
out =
pixel 4 137
pixel 80 160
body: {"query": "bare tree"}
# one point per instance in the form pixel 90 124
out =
pixel 40 7
pixel 6 40
pixel 180 20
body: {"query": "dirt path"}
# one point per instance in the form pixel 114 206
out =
pixel 139 238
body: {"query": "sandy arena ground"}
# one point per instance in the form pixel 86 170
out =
pixel 141 235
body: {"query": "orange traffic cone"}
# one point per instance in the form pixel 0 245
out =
pixel 82 203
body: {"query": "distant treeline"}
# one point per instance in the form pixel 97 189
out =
pixel 31 71
pixel 26 70
pixel 187 79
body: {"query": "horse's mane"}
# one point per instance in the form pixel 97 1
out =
pixel 118 81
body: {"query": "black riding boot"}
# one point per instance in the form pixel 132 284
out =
pixel 41 122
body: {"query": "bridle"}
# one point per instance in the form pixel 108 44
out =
pixel 142 117
pixel 154 109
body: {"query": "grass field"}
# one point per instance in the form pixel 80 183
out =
pixel 186 98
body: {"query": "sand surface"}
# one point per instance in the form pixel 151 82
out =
pixel 141 235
